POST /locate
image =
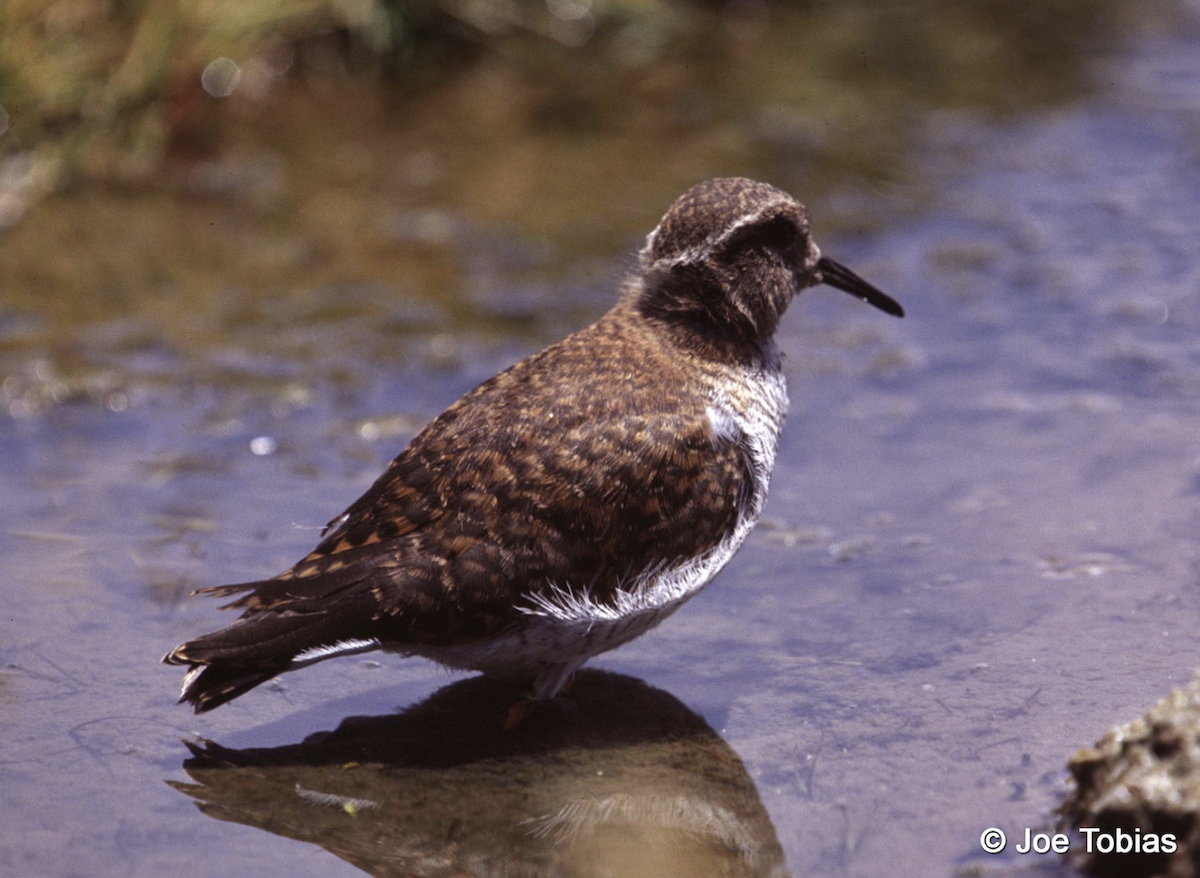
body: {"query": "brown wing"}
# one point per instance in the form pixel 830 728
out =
pixel 566 470
pixel 574 469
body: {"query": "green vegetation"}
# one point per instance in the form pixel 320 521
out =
pixel 109 88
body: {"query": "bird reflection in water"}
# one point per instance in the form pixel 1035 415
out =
pixel 618 778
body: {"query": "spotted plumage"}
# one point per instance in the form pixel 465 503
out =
pixel 573 501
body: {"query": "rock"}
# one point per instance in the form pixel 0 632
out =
pixel 1140 786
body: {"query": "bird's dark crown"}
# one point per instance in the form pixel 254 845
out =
pixel 724 263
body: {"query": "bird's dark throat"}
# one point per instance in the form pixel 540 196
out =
pixel 689 301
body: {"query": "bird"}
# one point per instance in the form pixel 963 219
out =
pixel 575 500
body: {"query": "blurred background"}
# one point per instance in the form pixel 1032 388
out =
pixel 248 249
pixel 198 148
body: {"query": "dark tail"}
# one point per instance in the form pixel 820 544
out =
pixel 209 686
pixel 263 644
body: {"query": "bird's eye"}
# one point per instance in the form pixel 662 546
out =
pixel 778 234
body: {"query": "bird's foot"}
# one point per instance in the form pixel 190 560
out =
pixel 518 712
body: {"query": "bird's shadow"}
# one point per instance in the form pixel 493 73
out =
pixel 616 776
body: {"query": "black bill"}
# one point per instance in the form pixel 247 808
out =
pixel 837 275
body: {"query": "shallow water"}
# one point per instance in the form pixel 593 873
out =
pixel 979 550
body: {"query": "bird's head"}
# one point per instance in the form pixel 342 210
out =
pixel 728 258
